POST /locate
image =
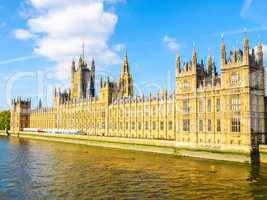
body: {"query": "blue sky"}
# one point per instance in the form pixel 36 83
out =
pixel 39 38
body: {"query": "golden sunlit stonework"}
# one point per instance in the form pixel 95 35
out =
pixel 225 110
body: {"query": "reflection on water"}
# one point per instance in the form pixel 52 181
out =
pixel 42 170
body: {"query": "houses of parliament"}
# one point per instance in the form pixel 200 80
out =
pixel 207 108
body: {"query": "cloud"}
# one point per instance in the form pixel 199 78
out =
pixel 61 26
pixel 241 31
pixel 255 10
pixel 119 47
pixel 18 59
pixel 171 43
pixel 245 7
pixel 23 34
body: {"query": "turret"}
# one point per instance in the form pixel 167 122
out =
pixel 125 66
pixel 178 64
pixel 223 53
pixel 73 68
pixel 259 54
pixel 210 65
pixel 80 62
pixel 40 104
pixel 20 114
pixel 91 87
pixel 93 65
pixel 245 51
pixel 100 82
pixel 125 82
pixel 194 60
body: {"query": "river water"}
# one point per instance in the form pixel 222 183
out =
pixel 36 170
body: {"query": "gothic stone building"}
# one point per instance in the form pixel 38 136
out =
pixel 207 108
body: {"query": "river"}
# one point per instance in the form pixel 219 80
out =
pixel 35 170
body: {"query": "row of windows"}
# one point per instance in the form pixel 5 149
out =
pixel 210 125
pixel 234 104
pixel 146 125
pixel 235 125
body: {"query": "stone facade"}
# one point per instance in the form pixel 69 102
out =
pixel 225 110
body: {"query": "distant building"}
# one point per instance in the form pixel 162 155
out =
pixel 207 108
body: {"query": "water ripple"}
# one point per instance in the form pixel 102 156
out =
pixel 36 170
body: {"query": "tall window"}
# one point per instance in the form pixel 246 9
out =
pixel 146 125
pixel 218 105
pixel 235 124
pixel 133 125
pixel 200 105
pixel 170 125
pixel 161 126
pixel 186 125
pixel 186 108
pixel 170 108
pixel 218 125
pixel 209 125
pixel 235 103
pixel 161 109
pixel 154 125
pixel 139 125
pixel 146 110
pixel 209 105
pixel 154 110
pixel 200 125
pixel 235 78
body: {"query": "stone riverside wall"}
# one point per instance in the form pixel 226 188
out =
pixel 145 145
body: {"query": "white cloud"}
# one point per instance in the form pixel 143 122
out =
pixel 241 31
pixel 61 26
pixel 119 47
pixel 18 59
pixel 23 34
pixel 171 43
pixel 245 7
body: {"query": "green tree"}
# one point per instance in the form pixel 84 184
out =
pixel 5 120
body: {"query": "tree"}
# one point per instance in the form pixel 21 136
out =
pixel 5 120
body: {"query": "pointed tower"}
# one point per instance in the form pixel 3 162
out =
pixel 194 59
pixel 259 54
pixel 245 51
pixel 178 64
pixel 92 79
pixel 125 82
pixel 210 65
pixel 73 68
pixel 40 106
pixel 223 53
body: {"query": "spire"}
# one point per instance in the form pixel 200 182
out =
pixel 73 65
pixel 83 47
pixel 245 50
pixel 93 64
pixel 125 53
pixel 40 104
pixel 178 64
pixel 194 57
pixel 80 61
pixel 101 82
pixel 125 68
pixel 210 65
pixel 223 53
pixel 259 54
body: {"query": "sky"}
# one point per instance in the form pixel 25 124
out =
pixel 40 38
